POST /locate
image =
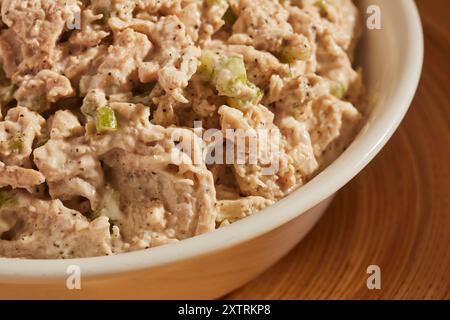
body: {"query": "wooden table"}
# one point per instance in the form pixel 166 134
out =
pixel 395 214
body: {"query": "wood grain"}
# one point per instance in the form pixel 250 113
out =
pixel 395 214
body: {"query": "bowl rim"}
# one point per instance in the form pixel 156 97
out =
pixel 334 177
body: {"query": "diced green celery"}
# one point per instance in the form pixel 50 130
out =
pixel 339 90
pixel 106 120
pixel 206 68
pixel 230 79
pixel 291 54
pixel 229 76
pixel 7 199
pixel 237 66
pixel 239 103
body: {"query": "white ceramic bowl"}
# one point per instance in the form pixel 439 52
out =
pixel 211 265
